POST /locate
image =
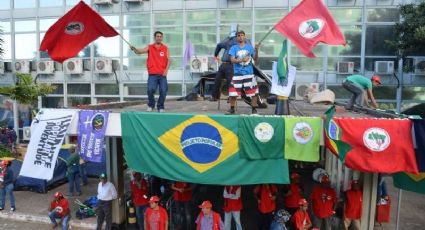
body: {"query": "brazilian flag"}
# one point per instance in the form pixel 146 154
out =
pixel 194 148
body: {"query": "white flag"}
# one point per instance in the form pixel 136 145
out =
pixel 280 90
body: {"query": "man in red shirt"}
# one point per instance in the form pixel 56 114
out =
pixel 59 209
pixel 139 195
pixel 232 206
pixel 324 201
pixel 266 198
pixel 208 219
pixel 293 194
pixel 156 217
pixel 182 197
pixel 353 206
pixel 301 219
pixel 158 63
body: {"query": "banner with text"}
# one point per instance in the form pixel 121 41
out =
pixel 91 134
pixel 48 131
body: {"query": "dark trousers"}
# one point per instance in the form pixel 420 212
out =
pixel 74 179
pixel 104 213
pixel 182 217
pixel 264 220
pixel 155 81
pixel 357 94
pixel 83 173
pixel 225 70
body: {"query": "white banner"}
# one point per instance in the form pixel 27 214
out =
pixel 282 90
pixel 48 130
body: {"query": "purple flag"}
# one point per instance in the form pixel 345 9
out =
pixel 189 51
pixel 91 134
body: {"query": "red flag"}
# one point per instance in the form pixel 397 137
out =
pixel 379 145
pixel 75 30
pixel 308 24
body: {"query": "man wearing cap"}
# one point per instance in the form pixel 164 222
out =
pixel 301 219
pixel 6 187
pixel 156 217
pixel 324 201
pixel 208 219
pixel 232 206
pixel 59 209
pixel 139 195
pixel 353 206
pixel 361 88
pixel 266 198
pixel 293 194
pixel 106 192
pixel 182 197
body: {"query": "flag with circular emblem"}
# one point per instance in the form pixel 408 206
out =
pixel 194 148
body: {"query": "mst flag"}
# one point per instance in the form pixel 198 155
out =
pixel 379 145
pixel 194 148
pixel 302 138
pixel 261 137
pixel 308 24
pixel 332 135
pixel 410 182
pixel 75 30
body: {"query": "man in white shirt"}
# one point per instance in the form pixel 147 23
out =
pixel 106 192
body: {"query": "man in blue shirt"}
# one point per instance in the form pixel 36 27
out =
pixel 243 79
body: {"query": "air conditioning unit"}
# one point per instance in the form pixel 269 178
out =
pixel 198 64
pixel 420 66
pixel 45 67
pixel 314 87
pixel 384 67
pixel 301 90
pixel 26 133
pixel 345 67
pixel 102 2
pixel 73 66
pixel 1 67
pixel 22 66
pixel 103 65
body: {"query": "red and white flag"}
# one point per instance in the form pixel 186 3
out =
pixel 74 31
pixel 308 24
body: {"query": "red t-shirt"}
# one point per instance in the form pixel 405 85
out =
pixel 265 193
pixel 324 200
pixel 182 196
pixel 157 59
pixel 291 201
pixel 139 194
pixel 156 219
pixel 301 219
pixel 61 207
pixel 353 204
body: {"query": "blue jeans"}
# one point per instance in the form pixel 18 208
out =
pixel 74 180
pixel 8 189
pixel 357 94
pixel 83 173
pixel 140 213
pixel 155 81
pixel 65 220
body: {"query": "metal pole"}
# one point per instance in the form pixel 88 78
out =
pixel 400 192
pixel 399 91
pixel 267 34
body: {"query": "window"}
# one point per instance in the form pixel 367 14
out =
pixel 45 24
pixel 376 36
pixel 25 26
pixel 25 46
pixel 107 47
pixel 21 4
pixel 5 26
pixel 75 2
pixel 107 89
pixel 50 3
pixel 7 46
pixel 4 5
pixel 353 35
pixel 383 15
pixel 78 89
pixel 74 102
pixel 52 102
pixel 344 16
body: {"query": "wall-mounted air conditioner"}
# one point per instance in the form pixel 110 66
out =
pixel 26 133
pixel 45 67
pixel 384 67
pixel 22 66
pixel 419 65
pixel 103 65
pixel 73 66
pixel 198 64
pixel 102 2
pixel 301 90
pixel 2 67
pixel 345 67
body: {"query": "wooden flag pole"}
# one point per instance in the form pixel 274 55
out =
pixel 267 34
pixel 128 43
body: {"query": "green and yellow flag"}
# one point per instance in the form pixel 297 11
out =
pixel 410 182
pixel 302 138
pixel 282 64
pixel 194 148
pixel 332 136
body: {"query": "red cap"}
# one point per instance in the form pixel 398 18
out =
pixel 58 194
pixel 302 202
pixel 324 179
pixel 295 175
pixel 205 204
pixel 376 78
pixel 154 199
pixel 5 162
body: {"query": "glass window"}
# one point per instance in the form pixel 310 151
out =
pixel 346 15
pixel 270 16
pixel 58 89
pixel 24 26
pixel 75 2
pixel 7 46
pixel 52 102
pixel 107 47
pixel 318 50
pixel 25 46
pixel 176 62
pixel 4 5
pixel 107 99
pixel 5 26
pixel 74 102
pixel 137 20
pixel 78 88
pixel 236 16
pixel 383 15
pixel 50 3
pixel 135 63
pixel 413 93
pixel 174 89
pixel 114 21
pixel 307 64
pixel 45 24
pixel 203 39
pixel 136 89
pixel 20 4
pixel 353 36
pixel 201 17
pixel 385 92
pixel 173 38
pixel 106 89
pixel 168 18
pixel 138 37
pixel 272 44
pixel 225 29
pixel 375 40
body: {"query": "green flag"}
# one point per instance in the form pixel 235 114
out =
pixel 410 182
pixel 261 137
pixel 302 138
pixel 332 135
pixel 194 148
pixel 282 64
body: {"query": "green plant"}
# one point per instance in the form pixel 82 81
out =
pixel 5 151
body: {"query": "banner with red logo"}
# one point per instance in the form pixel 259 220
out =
pixel 75 30
pixel 308 24
pixel 378 145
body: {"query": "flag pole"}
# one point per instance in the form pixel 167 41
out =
pixel 128 43
pixel 267 34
